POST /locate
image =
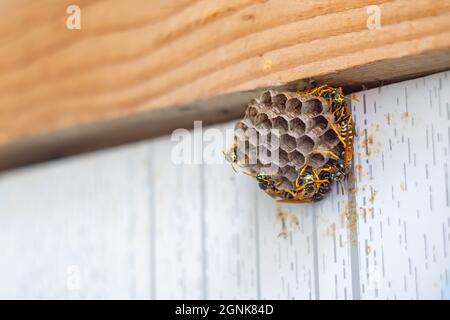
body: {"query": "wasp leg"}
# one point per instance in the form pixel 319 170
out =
pixel 301 171
pixel 337 132
pixel 249 174
pixel 331 153
pixel 329 168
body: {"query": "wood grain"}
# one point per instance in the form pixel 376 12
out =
pixel 140 60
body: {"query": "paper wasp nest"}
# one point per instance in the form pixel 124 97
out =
pixel 301 133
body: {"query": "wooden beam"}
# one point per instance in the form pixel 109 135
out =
pixel 124 75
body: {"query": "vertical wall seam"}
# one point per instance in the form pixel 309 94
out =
pixel 152 221
pixel 257 246
pixel 353 231
pixel 316 257
pixel 203 233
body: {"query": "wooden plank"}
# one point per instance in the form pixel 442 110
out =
pixel 118 78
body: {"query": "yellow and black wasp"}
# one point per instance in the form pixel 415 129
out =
pixel 343 120
pixel 231 155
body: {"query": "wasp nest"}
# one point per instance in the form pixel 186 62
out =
pixel 281 131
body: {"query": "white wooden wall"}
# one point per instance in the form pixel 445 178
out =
pixel 128 223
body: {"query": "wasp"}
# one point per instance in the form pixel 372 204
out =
pixel 343 120
pixel 311 184
pixel 267 183
pixel 335 96
pixel 231 155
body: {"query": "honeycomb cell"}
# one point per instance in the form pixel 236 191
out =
pixel 330 138
pixel 264 137
pixel 273 139
pixel 252 137
pixel 318 125
pixel 289 172
pixel 252 150
pixel 294 107
pixel 252 111
pixel 297 126
pixel 279 101
pixel 266 98
pixel 271 169
pixel 239 135
pixel 312 108
pixel 288 142
pixel 305 144
pixel 286 183
pixel 242 151
pixel 317 160
pixel 296 159
pixel 263 122
pixel 280 123
pixel 264 155
pixel 282 158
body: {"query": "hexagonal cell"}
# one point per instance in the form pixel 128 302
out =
pixel 317 160
pixel 270 169
pixel 296 159
pixel 239 130
pixel 242 146
pixel 263 122
pixel 305 144
pixel 273 139
pixel 287 143
pixel 282 158
pixel 242 151
pixel 252 155
pixel 243 124
pixel 312 108
pixel 264 137
pixel 279 102
pixel 297 125
pixel 272 113
pixel 289 172
pixel 280 123
pixel 318 125
pixel 273 169
pixel 239 135
pixel 294 107
pixel 286 184
pixel 330 138
pixel 266 98
pixel 252 111
pixel 252 137
pixel 264 155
